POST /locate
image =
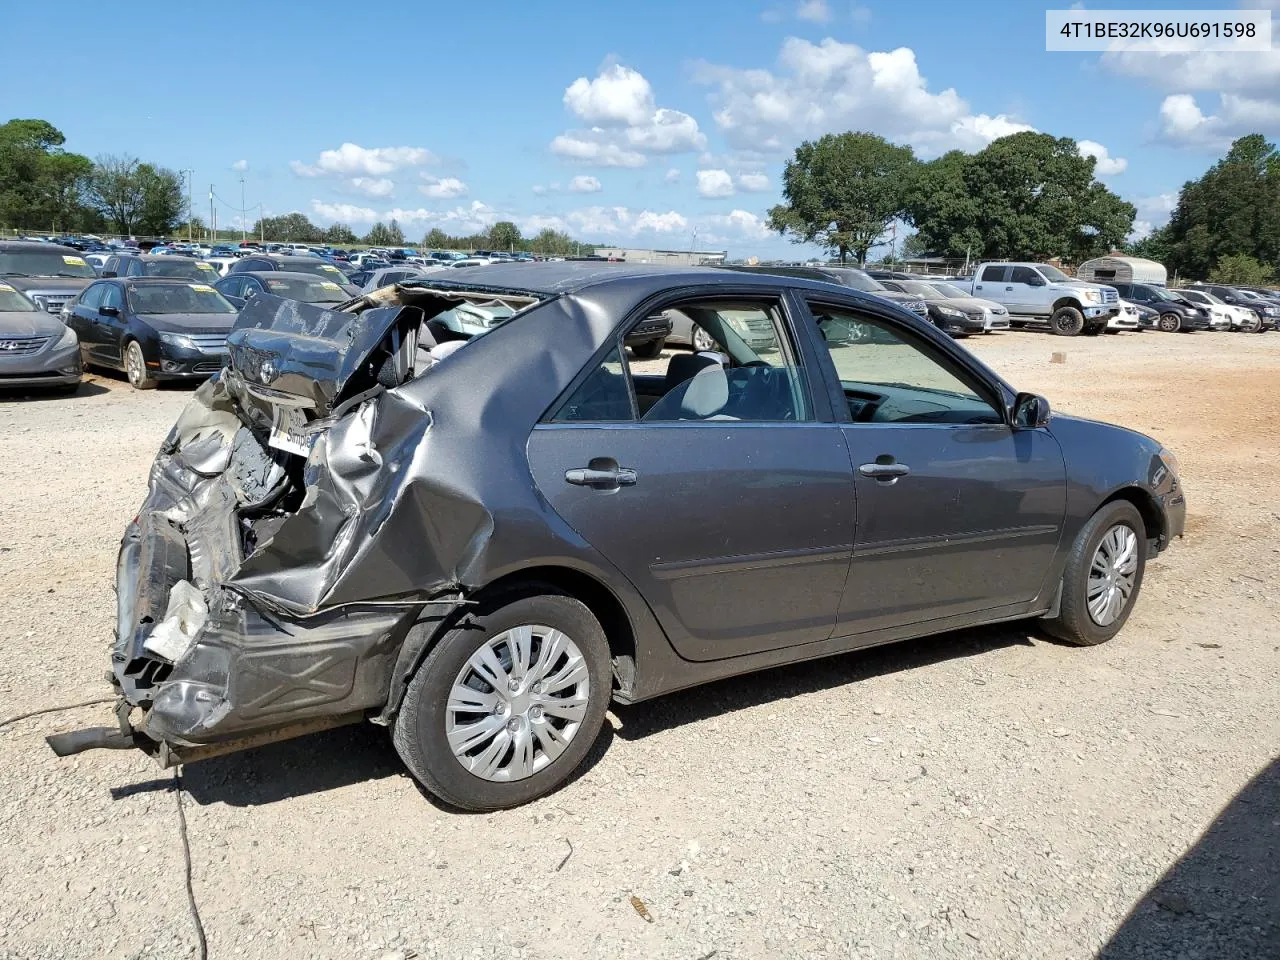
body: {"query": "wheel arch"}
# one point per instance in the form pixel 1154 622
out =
pixel 1066 302
pixel 1153 520
pixel 603 603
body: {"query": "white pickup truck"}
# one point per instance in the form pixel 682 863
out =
pixel 1042 294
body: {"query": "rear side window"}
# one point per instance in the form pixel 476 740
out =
pixel 751 375
pixel 993 273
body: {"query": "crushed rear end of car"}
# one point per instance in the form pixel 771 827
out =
pixel 290 538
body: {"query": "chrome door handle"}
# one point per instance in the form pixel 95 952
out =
pixel 884 471
pixel 601 479
pixel 1009 288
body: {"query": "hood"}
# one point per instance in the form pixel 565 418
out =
pixel 69 284
pixel 189 322
pixel 972 303
pixel 34 323
pixel 303 354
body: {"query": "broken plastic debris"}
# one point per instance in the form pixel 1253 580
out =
pixel 183 618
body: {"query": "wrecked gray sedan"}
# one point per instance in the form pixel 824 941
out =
pixel 478 542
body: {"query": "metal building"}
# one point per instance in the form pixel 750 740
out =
pixel 683 258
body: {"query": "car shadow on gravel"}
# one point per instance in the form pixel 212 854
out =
pixel 311 764
pixel 87 388
pixel 781 683
pixel 1222 897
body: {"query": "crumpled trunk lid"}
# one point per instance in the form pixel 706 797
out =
pixel 304 356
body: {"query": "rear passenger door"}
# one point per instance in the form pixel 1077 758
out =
pixel 727 500
pixel 989 284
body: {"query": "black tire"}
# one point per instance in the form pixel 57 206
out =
pixel 1073 622
pixel 419 731
pixel 1017 324
pixel 1260 328
pixel 1094 329
pixel 136 372
pixel 1169 323
pixel 649 351
pixel 1066 322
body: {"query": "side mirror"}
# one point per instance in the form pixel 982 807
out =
pixel 1030 410
pixel 1036 281
pixel 109 311
pixel 109 273
pixel 249 293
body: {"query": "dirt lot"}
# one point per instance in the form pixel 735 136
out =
pixel 984 794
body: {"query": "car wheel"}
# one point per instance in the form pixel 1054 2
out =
pixel 1254 325
pixel 1017 324
pixel 506 706
pixel 1170 322
pixel 135 367
pixel 649 351
pixel 1103 576
pixel 701 340
pixel 1066 322
pixel 1093 330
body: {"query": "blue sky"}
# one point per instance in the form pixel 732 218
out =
pixel 638 124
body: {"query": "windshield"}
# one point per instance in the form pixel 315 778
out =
pixel 950 290
pixel 919 289
pixel 1052 274
pixel 1198 296
pixel 44 263
pixel 308 291
pixel 182 267
pixel 859 281
pixel 11 301
pixel 321 269
pixel 1162 294
pixel 177 298
pixel 1247 294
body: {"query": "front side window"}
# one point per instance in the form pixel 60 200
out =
pixel 889 376
pixel 91 299
pixel 750 374
pixel 1024 275
pixel 111 297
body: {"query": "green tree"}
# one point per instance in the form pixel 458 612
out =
pixel 379 236
pixel 504 235
pixel 1025 196
pixel 293 227
pixel 552 243
pixel 115 190
pixel 395 233
pixel 163 199
pixel 340 233
pixel 41 185
pixel 1232 210
pixel 842 191
pixel 436 239
pixel 1241 268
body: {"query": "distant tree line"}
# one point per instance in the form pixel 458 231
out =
pixel 1028 195
pixel 43 187
pixel 1225 225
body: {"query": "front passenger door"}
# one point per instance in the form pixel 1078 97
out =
pixel 958 512
pixel 84 320
pixel 112 326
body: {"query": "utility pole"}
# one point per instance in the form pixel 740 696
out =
pixel 190 206
pixel 213 218
pixel 243 235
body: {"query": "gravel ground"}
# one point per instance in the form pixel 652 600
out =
pixel 983 794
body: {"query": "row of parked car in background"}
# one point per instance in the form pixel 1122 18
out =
pixel 165 312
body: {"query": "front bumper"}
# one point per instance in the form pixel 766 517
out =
pixel 56 365
pixel 180 363
pixel 1123 322
pixel 994 321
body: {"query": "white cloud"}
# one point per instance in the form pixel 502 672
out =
pixel 834 86
pixel 373 186
pixel 753 182
pixel 446 188
pixel 624 121
pixel 618 96
pixel 715 183
pixel 1104 165
pixel 1218 70
pixel 346 212
pixel 737 225
pixel 351 160
pixel 669 222
pixel 672 176
pixel 815 11
pixel 583 184
pixel 1183 123
pixel 1153 212
pixel 461 220
pixel 590 147
pixel 240 166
